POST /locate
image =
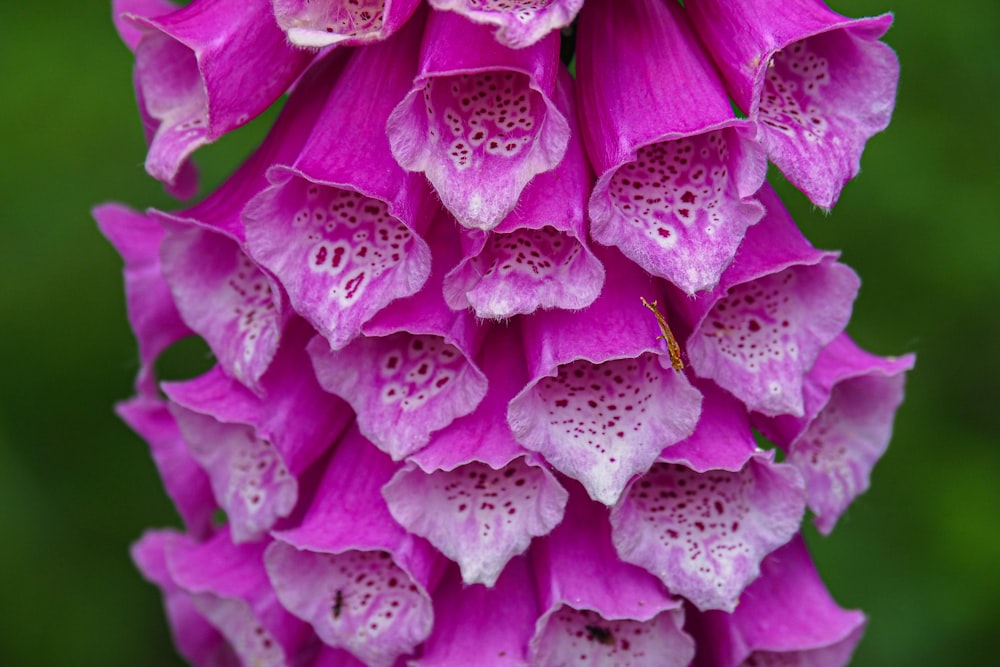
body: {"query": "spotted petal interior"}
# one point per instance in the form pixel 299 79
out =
pixel 520 271
pixel 704 534
pixel 357 600
pixel 603 423
pixel 402 386
pixel 677 209
pixel 478 516
pixel 583 637
pixel 341 256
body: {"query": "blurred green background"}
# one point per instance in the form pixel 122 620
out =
pixel 920 553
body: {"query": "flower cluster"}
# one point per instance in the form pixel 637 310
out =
pixel 496 343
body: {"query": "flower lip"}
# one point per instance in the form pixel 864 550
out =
pixel 322 23
pixel 452 125
pixel 518 24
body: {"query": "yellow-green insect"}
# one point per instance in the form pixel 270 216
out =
pixel 673 347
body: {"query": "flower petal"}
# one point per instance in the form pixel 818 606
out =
pixel 538 257
pixel 519 23
pixel 776 307
pixel 786 618
pixel 603 400
pixel 185 482
pixel 255 448
pixel 152 313
pixel 349 569
pixel 479 120
pixel 476 625
pixel 851 399
pixel 473 492
pixel 195 638
pixel 200 73
pixel 818 84
pixel 598 610
pixel 340 228
pixel 319 23
pixel 677 170
pixel 229 587
pixel 704 534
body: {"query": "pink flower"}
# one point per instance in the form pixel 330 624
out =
pixel 444 427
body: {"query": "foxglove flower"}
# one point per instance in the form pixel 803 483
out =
pixel 479 120
pixel 205 69
pixel 677 170
pixel 817 84
pixel 495 345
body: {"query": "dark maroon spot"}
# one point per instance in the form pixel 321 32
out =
pixel 321 255
pixel 753 325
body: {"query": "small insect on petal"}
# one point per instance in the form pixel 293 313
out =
pixel 338 604
pixel 600 635
pixel 673 348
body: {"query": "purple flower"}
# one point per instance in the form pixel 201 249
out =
pixel 445 427
pixel 817 84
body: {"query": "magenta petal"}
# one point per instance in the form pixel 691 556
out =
pixel 320 23
pixel 201 73
pixel 722 440
pixel 349 569
pixel 152 313
pixel 229 587
pixel 851 397
pixel 598 610
pixel 518 23
pixel 603 400
pixel 227 299
pixel 818 84
pixel 196 639
pixel 677 170
pixel 704 534
pixel 480 120
pixel 785 618
pixel 538 257
pixel 473 492
pixel 475 625
pixel 340 228
pixel 185 482
pixel 256 448
pixel 780 303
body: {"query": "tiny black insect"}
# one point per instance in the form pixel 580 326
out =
pixel 600 635
pixel 338 603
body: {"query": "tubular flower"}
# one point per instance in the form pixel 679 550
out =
pixel 495 346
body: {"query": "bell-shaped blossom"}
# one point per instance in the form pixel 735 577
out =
pixel 851 397
pixel 476 625
pixel 474 492
pixel 255 448
pixel 703 519
pixel 185 482
pixel 229 587
pixel 677 171
pixel 185 183
pixel 196 639
pixel 779 303
pixel 818 84
pixel 538 257
pixel 785 618
pixel 413 370
pixel 320 23
pixel 205 69
pixel 480 119
pixel 352 572
pixel 222 294
pixel 340 228
pixel 603 399
pixel 518 23
pixel 152 313
pixel 597 610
